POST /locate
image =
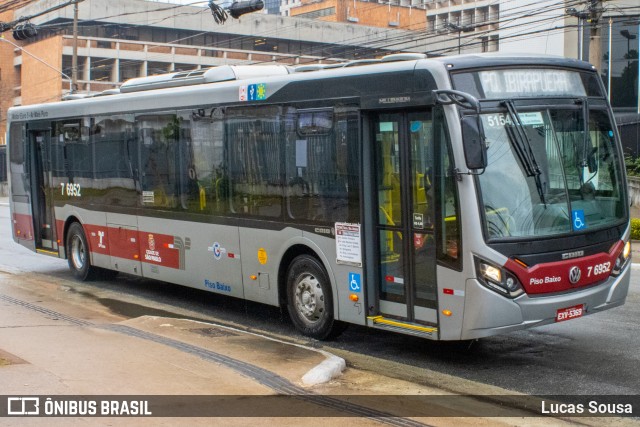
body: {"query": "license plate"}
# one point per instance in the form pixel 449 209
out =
pixel 569 313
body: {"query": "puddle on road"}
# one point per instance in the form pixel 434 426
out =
pixel 128 309
pixel 213 332
pixel 132 310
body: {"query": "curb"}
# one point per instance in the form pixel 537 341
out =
pixel 330 368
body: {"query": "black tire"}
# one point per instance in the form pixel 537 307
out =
pixel 78 254
pixel 309 299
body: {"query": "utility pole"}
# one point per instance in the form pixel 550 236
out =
pixel 595 36
pixel 74 57
pixel 582 16
pixel 460 29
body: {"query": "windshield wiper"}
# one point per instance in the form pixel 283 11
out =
pixel 522 147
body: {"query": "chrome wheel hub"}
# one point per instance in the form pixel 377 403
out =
pixel 78 252
pixel 309 298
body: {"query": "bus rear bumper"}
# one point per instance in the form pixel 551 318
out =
pixel 525 312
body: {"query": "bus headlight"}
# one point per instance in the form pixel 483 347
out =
pixel 498 279
pixel 622 260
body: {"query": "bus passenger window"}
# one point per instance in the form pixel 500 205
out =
pixel 204 176
pixel 322 164
pixel 253 137
pixel 115 159
pixel 158 136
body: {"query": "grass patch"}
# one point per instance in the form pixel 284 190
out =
pixel 635 228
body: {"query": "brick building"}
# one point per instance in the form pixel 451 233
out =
pixel 123 39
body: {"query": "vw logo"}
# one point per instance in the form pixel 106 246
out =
pixel 574 275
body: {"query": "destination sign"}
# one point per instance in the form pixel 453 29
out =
pixel 532 82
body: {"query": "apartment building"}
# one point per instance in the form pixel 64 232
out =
pixel 123 39
pixel 552 27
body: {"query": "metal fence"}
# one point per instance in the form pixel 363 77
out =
pixel 629 129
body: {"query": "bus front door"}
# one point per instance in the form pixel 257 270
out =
pixel 405 241
pixel 41 191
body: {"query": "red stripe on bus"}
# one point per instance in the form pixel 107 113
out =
pixel 22 226
pixel 131 244
pixel 60 232
pixel 556 276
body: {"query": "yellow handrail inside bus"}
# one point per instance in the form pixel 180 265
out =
pixel 203 198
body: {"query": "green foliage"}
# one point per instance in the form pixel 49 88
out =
pixel 635 229
pixel 633 165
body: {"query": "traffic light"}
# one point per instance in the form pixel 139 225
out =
pixel 239 8
pixel 24 31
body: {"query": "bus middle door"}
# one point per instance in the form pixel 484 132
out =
pixel 405 242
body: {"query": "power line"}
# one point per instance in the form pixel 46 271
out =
pixel 387 43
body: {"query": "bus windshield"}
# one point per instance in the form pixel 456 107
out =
pixel 551 171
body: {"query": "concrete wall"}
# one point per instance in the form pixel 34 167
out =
pixel 536 33
pixel 147 13
pixel 368 13
pixel 634 191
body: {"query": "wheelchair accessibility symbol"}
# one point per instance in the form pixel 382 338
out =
pixel 354 282
pixel 578 220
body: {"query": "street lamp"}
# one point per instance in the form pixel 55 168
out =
pixel 460 29
pixel 572 11
pixel 627 35
pixel 41 61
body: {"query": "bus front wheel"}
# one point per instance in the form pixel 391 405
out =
pixel 309 298
pixel 78 253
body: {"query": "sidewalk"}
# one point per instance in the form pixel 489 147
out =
pixel 48 349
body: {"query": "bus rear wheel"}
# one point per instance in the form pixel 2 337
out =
pixel 78 253
pixel 309 298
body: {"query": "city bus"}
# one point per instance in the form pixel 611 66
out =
pixel 450 198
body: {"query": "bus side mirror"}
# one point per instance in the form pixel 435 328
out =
pixel 475 150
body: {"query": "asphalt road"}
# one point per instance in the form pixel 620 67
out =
pixel 595 355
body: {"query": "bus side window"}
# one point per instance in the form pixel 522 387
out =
pixel 189 190
pixel 204 178
pixel 449 215
pixel 158 137
pixel 112 148
pixel 71 153
pixel 323 166
pixel 254 141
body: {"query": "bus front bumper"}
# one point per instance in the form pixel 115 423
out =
pixel 488 313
